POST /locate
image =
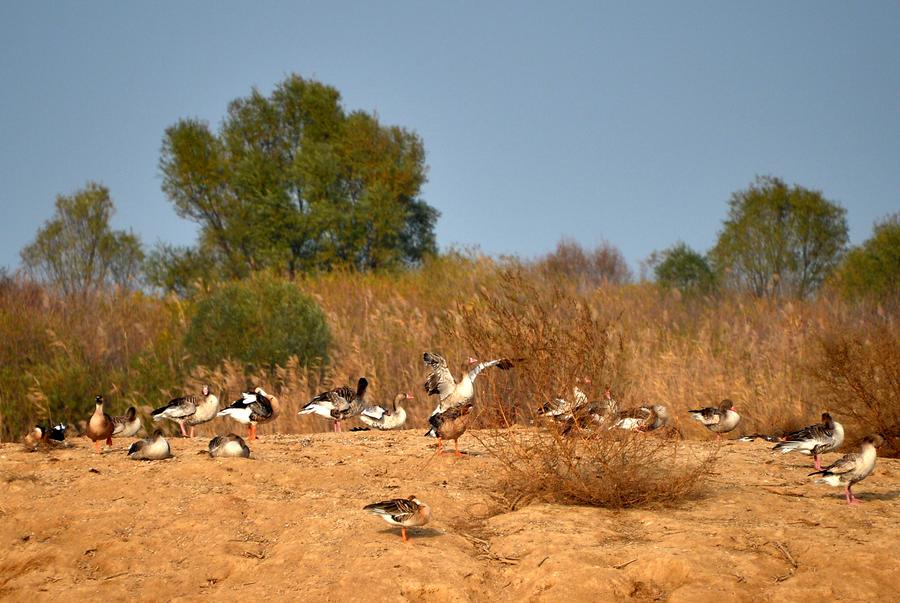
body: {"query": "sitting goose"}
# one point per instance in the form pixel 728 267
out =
pixel 230 445
pixel 253 408
pixel 189 410
pixel 450 425
pixel 45 438
pixel 100 426
pixel 154 448
pixel 125 426
pixel 851 468
pixel 450 393
pixel 815 439
pixel 718 420
pixel 381 418
pixel 338 404
pixel 403 512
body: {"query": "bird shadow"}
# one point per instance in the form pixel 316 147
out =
pixel 867 496
pixel 414 532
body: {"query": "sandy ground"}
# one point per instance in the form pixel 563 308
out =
pixel 288 525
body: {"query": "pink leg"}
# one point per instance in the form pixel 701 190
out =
pixel 718 437
pixel 340 426
pixel 192 431
pixel 183 432
pixel 818 464
pixel 853 500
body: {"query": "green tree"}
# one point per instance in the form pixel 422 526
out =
pixel 779 239
pixel 291 183
pixel 873 268
pixel 77 251
pixel 261 321
pixel 680 267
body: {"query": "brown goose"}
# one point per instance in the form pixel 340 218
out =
pixel 852 468
pixel 403 512
pixel 190 410
pixel 338 404
pixel 440 381
pixel 253 408
pixel 125 426
pixel 100 426
pixel 450 425
pixel 719 420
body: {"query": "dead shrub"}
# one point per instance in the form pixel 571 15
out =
pixel 614 469
pixel 859 369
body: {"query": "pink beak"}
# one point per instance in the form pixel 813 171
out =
pixel 587 380
pixel 472 360
pixel 409 396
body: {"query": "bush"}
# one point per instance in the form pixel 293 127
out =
pixel 860 372
pixel 262 321
pixel 872 270
pixel 680 267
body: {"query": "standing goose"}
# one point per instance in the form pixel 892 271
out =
pixel 100 426
pixel 154 448
pixel 440 381
pixel 190 410
pixel 381 418
pixel 230 445
pixel 338 404
pixel 851 468
pixel 403 512
pixel 125 426
pixel 253 408
pixel 815 439
pixel 450 425
pixel 718 420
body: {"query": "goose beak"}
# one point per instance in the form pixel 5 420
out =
pixel 472 360
pixel 409 396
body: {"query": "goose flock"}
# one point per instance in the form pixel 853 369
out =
pixel 448 421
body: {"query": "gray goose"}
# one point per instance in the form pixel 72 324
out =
pixel 190 410
pixel 125 426
pixel 154 448
pixel 338 404
pixel 381 418
pixel 719 420
pixel 852 468
pixel 231 445
pixel 440 380
pixel 403 512
pixel 253 408
pixel 815 439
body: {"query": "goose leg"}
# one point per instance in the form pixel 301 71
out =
pixel 183 432
pixel 97 446
pixel 440 448
pixel 252 435
pixel 109 441
pixel 192 431
pixel 817 462
pixel 456 445
pixel 403 534
pixel 852 500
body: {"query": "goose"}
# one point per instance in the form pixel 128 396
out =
pixel 45 438
pixel 561 409
pixel 154 448
pixel 338 404
pixel 440 381
pixel 404 512
pixel 450 425
pixel 191 410
pixel 851 468
pixel 100 426
pixel 230 445
pixel 718 420
pixel 381 418
pixel 253 408
pixel 815 439
pixel 127 425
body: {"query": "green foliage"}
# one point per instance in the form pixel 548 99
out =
pixel 181 270
pixel 680 267
pixel 291 183
pixel 873 269
pixel 780 240
pixel 261 321
pixel 77 251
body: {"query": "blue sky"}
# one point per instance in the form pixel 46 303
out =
pixel 631 122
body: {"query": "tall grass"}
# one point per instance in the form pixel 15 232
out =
pixel 56 354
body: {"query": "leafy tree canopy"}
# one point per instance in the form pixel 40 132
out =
pixel 77 251
pixel 873 268
pixel 680 267
pixel 291 183
pixel 779 239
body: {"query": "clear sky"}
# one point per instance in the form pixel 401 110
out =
pixel 631 122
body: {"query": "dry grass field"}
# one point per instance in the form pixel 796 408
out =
pixel 288 524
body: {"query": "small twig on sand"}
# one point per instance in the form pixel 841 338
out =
pixel 785 492
pixel 624 565
pixel 542 561
pixel 117 575
pixel 790 559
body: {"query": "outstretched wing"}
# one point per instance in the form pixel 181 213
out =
pixel 440 381
pixel 501 363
